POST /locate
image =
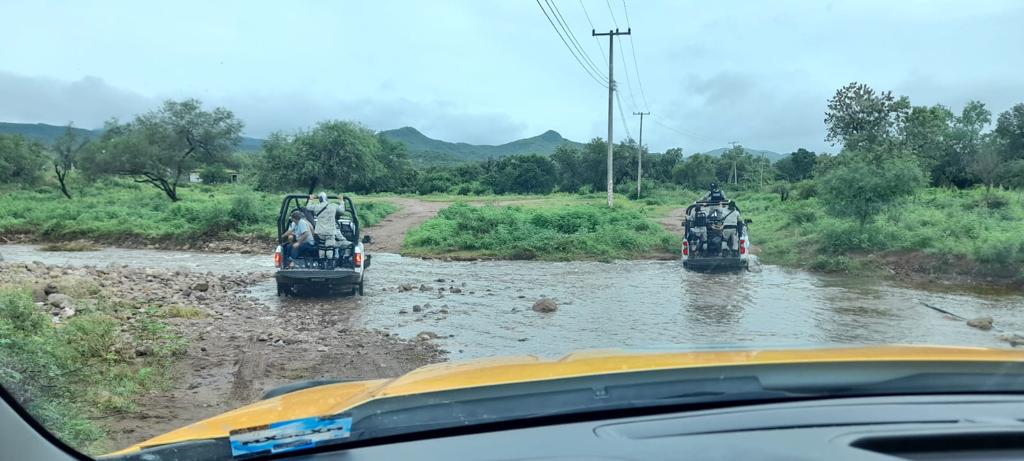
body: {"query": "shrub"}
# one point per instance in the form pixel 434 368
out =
pixel 587 231
pixel 861 189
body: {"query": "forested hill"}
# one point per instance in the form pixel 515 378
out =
pixel 46 134
pixel 771 156
pixel 428 150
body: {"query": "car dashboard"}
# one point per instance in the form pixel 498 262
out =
pixel 937 427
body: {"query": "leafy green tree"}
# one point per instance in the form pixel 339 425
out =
pixel 861 189
pixel 1010 131
pixel 343 156
pixel 21 160
pixel 696 172
pixel 861 119
pixel 568 167
pixel 965 142
pixel 524 174
pixel 161 147
pixel 661 166
pixel 926 135
pixel 398 174
pixel 214 174
pixel 796 166
pixel 65 154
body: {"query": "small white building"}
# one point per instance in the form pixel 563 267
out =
pixel 195 176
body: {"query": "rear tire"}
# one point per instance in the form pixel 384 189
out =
pixel 284 289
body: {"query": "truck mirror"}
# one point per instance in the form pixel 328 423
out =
pixel 366 265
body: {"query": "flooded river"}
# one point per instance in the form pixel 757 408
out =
pixel 630 304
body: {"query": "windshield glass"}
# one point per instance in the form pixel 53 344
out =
pixel 205 205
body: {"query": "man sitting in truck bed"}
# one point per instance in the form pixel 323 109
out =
pixel 300 238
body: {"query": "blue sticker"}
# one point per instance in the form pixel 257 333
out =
pixel 284 436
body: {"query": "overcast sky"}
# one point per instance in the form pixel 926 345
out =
pixel 484 71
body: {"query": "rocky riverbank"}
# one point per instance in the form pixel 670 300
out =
pixel 236 347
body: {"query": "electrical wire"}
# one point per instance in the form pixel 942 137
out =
pixel 571 51
pixel 572 37
pixel 600 48
pixel 622 116
pixel 636 67
pixel 629 84
pixel 609 3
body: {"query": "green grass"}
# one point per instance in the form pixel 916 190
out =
pixel 541 231
pixel 73 374
pixel 954 229
pixel 116 211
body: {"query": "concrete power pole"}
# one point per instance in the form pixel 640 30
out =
pixel 611 97
pixel 734 179
pixel 640 154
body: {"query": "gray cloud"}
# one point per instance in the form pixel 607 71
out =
pixel 87 102
pixel 488 72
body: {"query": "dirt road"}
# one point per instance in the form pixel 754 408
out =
pixel 389 234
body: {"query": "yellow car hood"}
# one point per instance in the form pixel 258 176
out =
pixel 337 398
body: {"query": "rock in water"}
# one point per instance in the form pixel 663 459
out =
pixel 417 308
pixel 201 286
pixel 426 336
pixel 50 289
pixel 405 287
pixel 425 288
pixel 981 323
pixel 1015 338
pixel 545 305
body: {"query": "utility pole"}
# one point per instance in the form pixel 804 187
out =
pixel 640 154
pixel 611 97
pixel 734 180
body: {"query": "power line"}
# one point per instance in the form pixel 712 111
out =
pixel 572 37
pixel 596 40
pixel 622 117
pixel 629 84
pixel 578 60
pixel 679 131
pixel 636 67
pixel 609 3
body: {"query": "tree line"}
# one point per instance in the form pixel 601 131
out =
pixel 881 137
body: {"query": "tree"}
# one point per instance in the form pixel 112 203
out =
pixel 964 144
pixel 861 189
pixel 343 156
pixel 696 172
pixel 661 165
pixel 65 150
pixel 1010 131
pixel 21 160
pixel 161 147
pixel 926 135
pixel 214 174
pixel 987 164
pixel 523 174
pixel 860 119
pixel 797 166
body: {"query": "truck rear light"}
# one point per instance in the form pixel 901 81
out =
pixel 686 248
pixel 358 259
pixel 743 246
pixel 277 257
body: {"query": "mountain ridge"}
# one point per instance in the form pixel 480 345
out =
pixel 424 148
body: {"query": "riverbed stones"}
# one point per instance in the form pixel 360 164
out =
pixel 426 336
pixel 545 305
pixel 201 286
pixel 405 287
pixel 59 300
pixel 425 287
pixel 981 323
pixel 1015 338
pixel 417 308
